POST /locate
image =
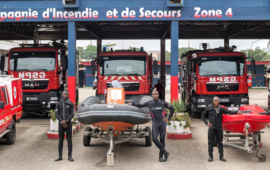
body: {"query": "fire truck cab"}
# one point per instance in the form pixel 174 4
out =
pixel 133 69
pixel 214 72
pixel 43 70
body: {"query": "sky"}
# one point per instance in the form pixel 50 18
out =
pixel 155 44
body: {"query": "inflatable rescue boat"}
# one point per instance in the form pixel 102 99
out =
pixel 236 123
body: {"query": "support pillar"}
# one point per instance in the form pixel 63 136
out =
pixel 72 61
pixel 226 42
pixel 174 60
pixel 99 46
pixel 162 65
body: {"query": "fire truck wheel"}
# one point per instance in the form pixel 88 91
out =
pixel 193 113
pixel 11 135
pixel 87 138
pixel 148 139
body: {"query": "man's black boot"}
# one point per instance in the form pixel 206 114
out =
pixel 166 155
pixel 161 158
pixel 222 159
pixel 70 158
pixel 59 158
pixel 210 159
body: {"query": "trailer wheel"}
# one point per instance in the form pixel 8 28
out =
pixel 262 158
pixel 11 135
pixel 148 139
pixel 87 138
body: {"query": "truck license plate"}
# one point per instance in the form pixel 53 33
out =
pixel 232 108
pixel 31 98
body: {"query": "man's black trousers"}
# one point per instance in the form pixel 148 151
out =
pixel 212 133
pixel 61 132
pixel 159 129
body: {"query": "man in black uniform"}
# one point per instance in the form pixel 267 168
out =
pixel 215 113
pixel 64 112
pixel 157 111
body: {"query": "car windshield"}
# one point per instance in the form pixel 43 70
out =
pixel 32 61
pixel 123 66
pixel 222 66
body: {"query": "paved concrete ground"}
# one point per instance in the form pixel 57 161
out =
pixel 33 151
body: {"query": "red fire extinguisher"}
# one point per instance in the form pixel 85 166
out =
pixel 249 81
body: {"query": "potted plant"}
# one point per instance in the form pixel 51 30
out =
pixel 180 121
pixel 53 121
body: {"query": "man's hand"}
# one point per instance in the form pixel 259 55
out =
pixel 130 104
pixel 63 122
pixel 209 124
pixel 239 113
pixel 165 119
pixel 259 113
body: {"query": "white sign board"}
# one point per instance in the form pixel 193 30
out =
pixel 116 94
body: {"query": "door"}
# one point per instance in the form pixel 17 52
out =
pixel 6 113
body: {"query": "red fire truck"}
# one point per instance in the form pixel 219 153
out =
pixel 133 69
pixel 10 107
pixel 214 72
pixel 43 70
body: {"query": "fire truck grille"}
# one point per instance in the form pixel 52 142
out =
pixel 222 87
pixel 128 86
pixel 35 84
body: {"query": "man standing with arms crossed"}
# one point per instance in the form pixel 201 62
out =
pixel 64 112
pixel 215 113
pixel 157 111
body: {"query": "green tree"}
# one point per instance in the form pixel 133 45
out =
pixel 258 54
pixel 81 51
pixel 90 52
pixel 131 48
pixel 183 50
pixel 109 45
pixel 167 56
pixel 180 51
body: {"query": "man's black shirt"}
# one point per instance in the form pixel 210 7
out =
pixel 214 117
pixel 64 110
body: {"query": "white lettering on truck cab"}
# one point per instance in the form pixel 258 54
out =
pixel 222 79
pixel 31 75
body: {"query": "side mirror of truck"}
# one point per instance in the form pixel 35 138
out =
pixel 3 57
pixel 155 67
pixel 2 105
pixel 253 66
pixel 64 62
pixel 93 67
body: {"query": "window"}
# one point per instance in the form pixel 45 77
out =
pixel 59 60
pixel 222 66
pixel 4 95
pixel 32 61
pixel 123 66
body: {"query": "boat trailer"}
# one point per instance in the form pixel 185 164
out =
pixel 246 140
pixel 124 136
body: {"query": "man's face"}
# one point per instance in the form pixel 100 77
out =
pixel 158 81
pixel 155 95
pixel 65 94
pixel 216 101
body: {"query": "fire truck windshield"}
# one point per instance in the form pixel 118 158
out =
pixel 222 66
pixel 32 61
pixel 123 66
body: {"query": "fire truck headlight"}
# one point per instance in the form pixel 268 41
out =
pixel 201 106
pixel 54 98
pixel 244 99
pixel 201 100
